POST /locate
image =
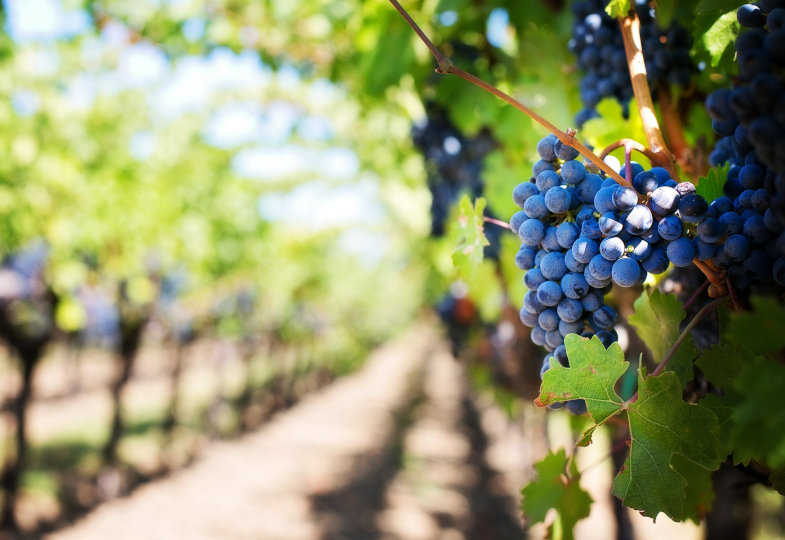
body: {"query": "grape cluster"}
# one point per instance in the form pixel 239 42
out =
pixel 597 43
pixel 454 166
pixel 743 232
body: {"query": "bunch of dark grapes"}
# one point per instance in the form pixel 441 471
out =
pixel 582 233
pixel 743 232
pixel 598 45
pixel 454 166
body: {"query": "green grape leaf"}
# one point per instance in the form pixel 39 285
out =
pixel 760 431
pixel 661 425
pixel 762 330
pixel 557 486
pixel 656 319
pixel 611 125
pixel 468 236
pixel 722 364
pixel 699 489
pixel 664 12
pixel 592 375
pixel 777 479
pixel 618 8
pixel 717 33
pixel 710 186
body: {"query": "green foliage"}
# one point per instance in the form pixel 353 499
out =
pixel 762 330
pixel 592 375
pixel 557 487
pixel 657 318
pixel 661 426
pixel 710 186
pixel 467 234
pixel 618 8
pixel 715 28
pixel 611 126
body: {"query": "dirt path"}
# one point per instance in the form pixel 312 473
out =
pixel 394 451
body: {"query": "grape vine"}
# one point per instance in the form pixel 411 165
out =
pixel 589 223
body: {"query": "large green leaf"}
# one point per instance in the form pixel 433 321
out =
pixel 592 375
pixel 662 425
pixel 557 487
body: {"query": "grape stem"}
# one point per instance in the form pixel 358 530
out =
pixel 630 31
pixel 697 293
pixel 446 66
pixel 498 222
pixel 633 145
pixel 719 286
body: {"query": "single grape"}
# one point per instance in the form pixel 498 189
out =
pixel 546 180
pixel 532 231
pixel 681 251
pixel 704 251
pixel 571 264
pixel 625 272
pixel 624 198
pixel 604 317
pixel 639 219
pixel 516 220
pixel 557 200
pixel 710 230
pixel 599 268
pixel 564 152
pixel 573 172
pixel 592 301
pixel 524 259
pixel 731 223
pixel 550 242
pixel 549 293
pixel 529 319
pixel 612 248
pixel 535 208
pixel 552 265
pixel 537 336
pixel 755 230
pixel 657 261
pixel 693 208
pixel 576 406
pixel 664 200
pixel 522 192
pixel 574 285
pixel 610 223
pixel 532 304
pixel 549 319
pixel 645 182
pixel 533 278
pixel 736 247
pixel 603 200
pixel 584 249
pixel 587 189
pixel 638 249
pixel 545 147
pixel 569 310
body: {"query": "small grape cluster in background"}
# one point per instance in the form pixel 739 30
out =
pixel 597 43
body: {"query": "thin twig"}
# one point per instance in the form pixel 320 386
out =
pixel 634 145
pixel 446 66
pixel 498 222
pixel 696 294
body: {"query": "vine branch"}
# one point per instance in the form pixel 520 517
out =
pixel 445 65
pixel 630 31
